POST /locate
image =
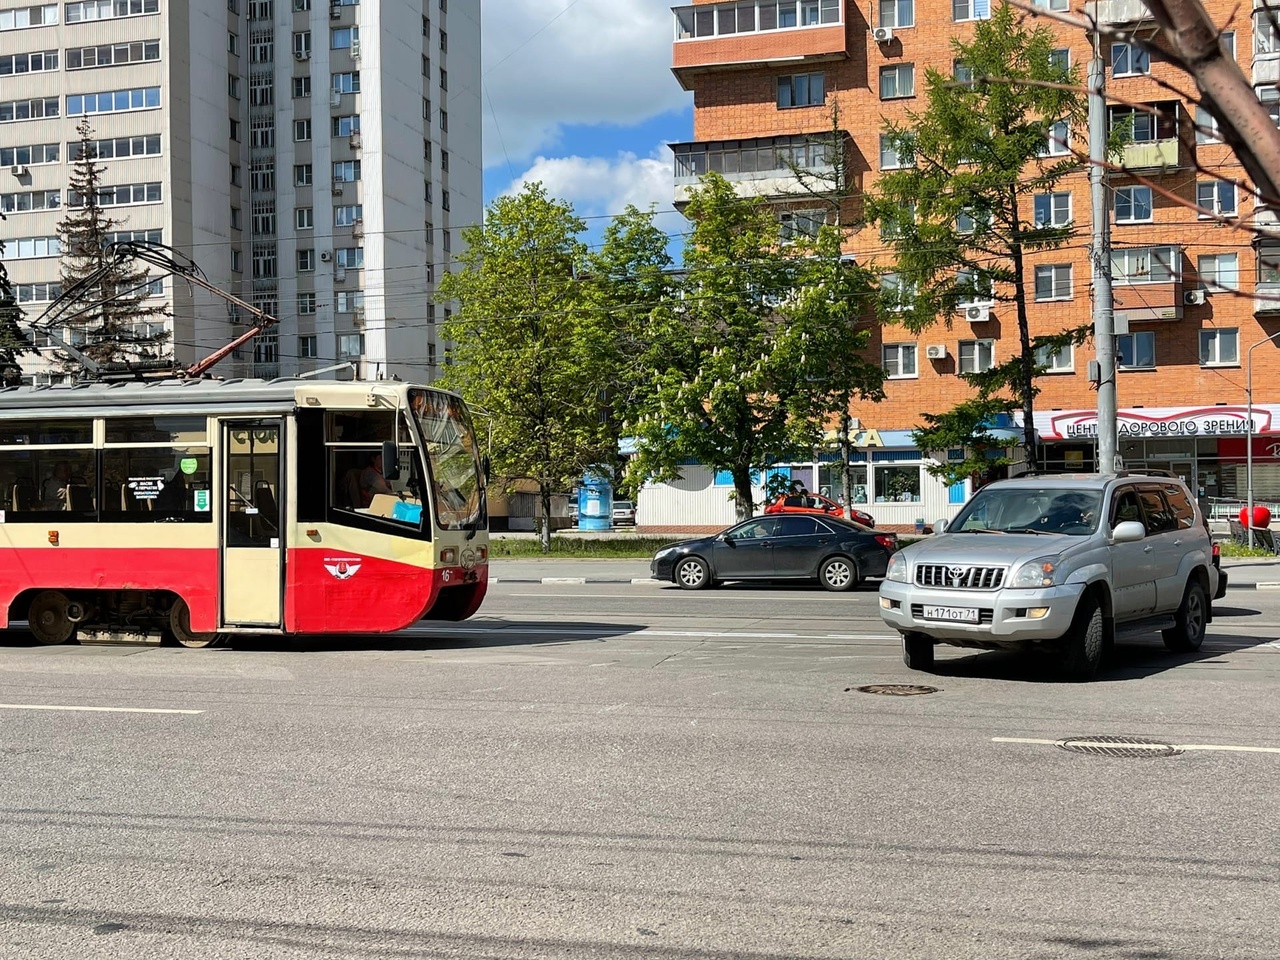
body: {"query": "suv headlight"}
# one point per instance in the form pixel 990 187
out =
pixel 897 571
pixel 1040 572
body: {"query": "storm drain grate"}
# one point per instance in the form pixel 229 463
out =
pixel 1123 747
pixel 897 689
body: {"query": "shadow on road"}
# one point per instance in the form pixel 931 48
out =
pixel 468 635
pixel 1132 658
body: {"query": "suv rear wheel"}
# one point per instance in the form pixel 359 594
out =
pixel 1190 620
pixel 1083 643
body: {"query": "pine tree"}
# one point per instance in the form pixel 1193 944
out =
pixel 110 320
pixel 12 340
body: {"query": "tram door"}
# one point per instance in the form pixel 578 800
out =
pixel 252 527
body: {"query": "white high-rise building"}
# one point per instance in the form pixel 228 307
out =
pixel 318 158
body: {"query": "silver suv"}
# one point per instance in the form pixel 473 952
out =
pixel 1058 562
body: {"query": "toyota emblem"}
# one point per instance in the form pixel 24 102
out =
pixel 957 574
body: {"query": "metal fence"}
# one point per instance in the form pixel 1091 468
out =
pixel 1228 508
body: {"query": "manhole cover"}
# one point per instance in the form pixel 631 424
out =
pixel 897 689
pixel 1119 747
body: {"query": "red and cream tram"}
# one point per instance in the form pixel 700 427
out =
pixel 200 508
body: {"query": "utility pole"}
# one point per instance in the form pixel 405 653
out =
pixel 1103 306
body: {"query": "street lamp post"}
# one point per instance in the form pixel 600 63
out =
pixel 1248 446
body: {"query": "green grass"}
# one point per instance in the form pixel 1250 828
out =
pixel 613 548
pixel 1232 549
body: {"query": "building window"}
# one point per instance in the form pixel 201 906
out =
pixel 235 130
pixel 1129 59
pixel 42 62
pixel 307 347
pixel 444 42
pixel 123 195
pixel 444 199
pixel 444 160
pixel 302 45
pixel 1266 39
pixel 301 130
pixel 342 38
pixel 264 220
pixel 1216 198
pixel 346 171
pixel 970 10
pixel 1058 141
pixel 348 215
pixel 794 224
pixel 1056 361
pixel 237 219
pixel 306 260
pixel 1228 40
pixel 109 9
pixel 349 301
pixel 350 345
pixel 1207 129
pixel 237 261
pixel 41 15
pixel 1219 348
pixel 897 81
pixel 899 360
pixel 1219 271
pixel 1053 281
pixel 302 175
pixel 306 304
pixel 977 356
pixel 29 200
pixel 12 111
pixel 30 155
pixel 1060 59
pixel 1146 264
pixel 891 157
pixel 350 257
pixel 33 248
pixel 444 121
pixel 801 90
pixel 345 126
pixel 301 87
pixel 346 82
pixel 304 218
pixel 444 79
pixel 1145 126
pixel 233 86
pixel 1136 351
pixel 897 484
pixel 897 13
pixel 1133 204
pixel 1053 209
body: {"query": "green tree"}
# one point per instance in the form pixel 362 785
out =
pixel 960 218
pixel 12 340
pixel 112 323
pixel 629 277
pixel 755 349
pixel 527 349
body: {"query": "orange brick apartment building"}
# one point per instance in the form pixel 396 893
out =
pixel 1196 294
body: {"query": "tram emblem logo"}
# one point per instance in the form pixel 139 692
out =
pixel 342 568
pixel 1273 450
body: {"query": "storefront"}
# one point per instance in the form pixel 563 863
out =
pixel 1205 446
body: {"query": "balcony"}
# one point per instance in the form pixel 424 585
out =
pixel 1119 12
pixel 1146 283
pixel 746 33
pixel 1266 299
pixel 761 167
pixel 1153 130
pixel 1151 155
pixel 1266 70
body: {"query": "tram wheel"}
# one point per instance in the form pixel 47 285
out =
pixel 180 628
pixel 49 619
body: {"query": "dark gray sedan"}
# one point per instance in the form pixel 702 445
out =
pixel 836 553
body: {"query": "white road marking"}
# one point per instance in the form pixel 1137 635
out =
pixel 572 580
pixel 1230 748
pixel 44 706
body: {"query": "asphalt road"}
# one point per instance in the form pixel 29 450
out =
pixel 617 770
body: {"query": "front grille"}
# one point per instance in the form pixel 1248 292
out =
pixel 985 614
pixel 959 576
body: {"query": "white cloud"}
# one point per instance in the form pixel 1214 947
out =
pixel 552 63
pixel 600 188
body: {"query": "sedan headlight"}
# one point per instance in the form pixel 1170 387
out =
pixel 664 552
pixel 897 571
pixel 1040 572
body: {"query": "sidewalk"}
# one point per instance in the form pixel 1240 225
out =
pixel 1244 573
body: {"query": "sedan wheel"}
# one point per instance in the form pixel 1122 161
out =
pixel 838 574
pixel 692 573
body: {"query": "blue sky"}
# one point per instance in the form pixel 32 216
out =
pixel 579 95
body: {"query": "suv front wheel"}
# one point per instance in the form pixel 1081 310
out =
pixel 1083 643
pixel 1190 620
pixel 917 651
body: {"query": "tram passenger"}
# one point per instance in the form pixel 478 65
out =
pixel 53 493
pixel 372 482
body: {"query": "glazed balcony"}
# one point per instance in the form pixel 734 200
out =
pixel 747 33
pixel 773 167
pixel 1118 12
pixel 1154 130
pixel 1147 283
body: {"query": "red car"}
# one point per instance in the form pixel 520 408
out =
pixel 816 503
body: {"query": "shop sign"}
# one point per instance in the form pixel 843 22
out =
pixel 857 438
pixel 1203 422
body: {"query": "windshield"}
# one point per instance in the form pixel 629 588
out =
pixel 453 457
pixel 1018 509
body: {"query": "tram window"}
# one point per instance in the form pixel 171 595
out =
pixel 17 433
pixel 364 426
pixel 311 466
pixel 158 430
pixel 35 483
pixel 150 485
pixel 360 495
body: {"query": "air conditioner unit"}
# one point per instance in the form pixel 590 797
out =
pixel 882 34
pixel 1193 298
pixel 355 141
pixel 337 188
pixel 339 274
pixel 936 351
pixel 19 170
pixel 301 55
pixel 355 49
pixel 357 316
pixel 335 98
pixel 977 312
pixel 335 12
pixel 326 256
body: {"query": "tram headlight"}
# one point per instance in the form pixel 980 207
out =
pixel 449 555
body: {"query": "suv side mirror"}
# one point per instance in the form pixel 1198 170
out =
pixel 940 526
pixel 1128 531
